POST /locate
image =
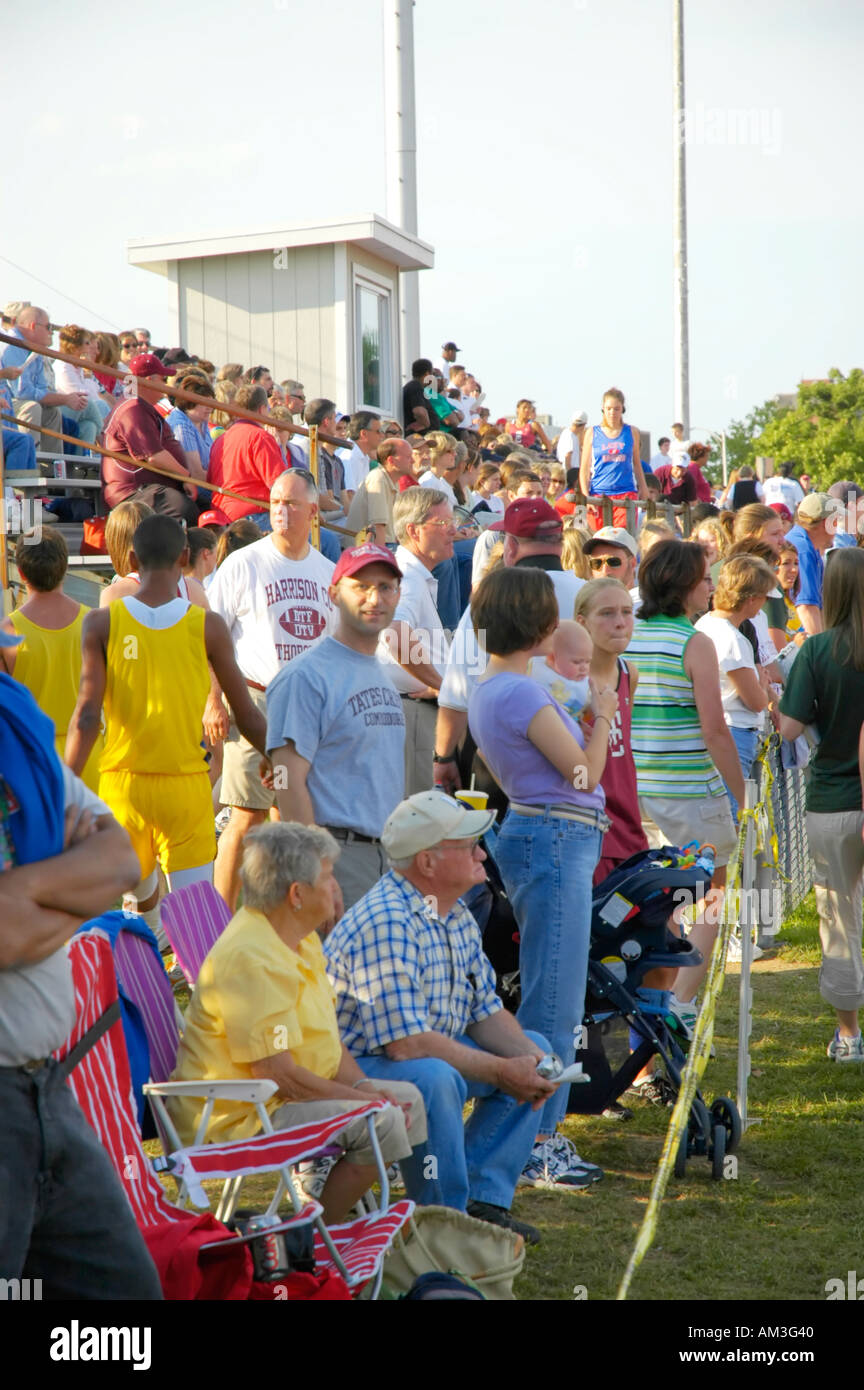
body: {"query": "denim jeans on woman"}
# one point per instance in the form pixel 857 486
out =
pixel 547 864
pixel 746 742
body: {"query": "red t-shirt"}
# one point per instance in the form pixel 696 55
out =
pixel 626 835
pixel 405 482
pixel 247 459
pixel 136 428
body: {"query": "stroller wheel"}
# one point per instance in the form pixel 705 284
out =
pixel 698 1136
pixel 681 1157
pixel 718 1152
pixel 724 1112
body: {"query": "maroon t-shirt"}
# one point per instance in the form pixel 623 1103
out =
pixel 136 428
pixel 626 835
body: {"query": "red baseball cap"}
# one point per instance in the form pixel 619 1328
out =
pixel 214 517
pixel 148 364
pixel 532 519
pixel 782 511
pixel 359 556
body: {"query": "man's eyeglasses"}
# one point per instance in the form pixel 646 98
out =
pixel 443 525
pixel 612 562
pixel 383 590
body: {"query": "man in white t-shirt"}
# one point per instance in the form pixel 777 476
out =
pixel 274 597
pixel 570 440
pixel 783 488
pixel 415 648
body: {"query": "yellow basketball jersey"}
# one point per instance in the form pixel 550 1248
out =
pixel 157 686
pixel 48 662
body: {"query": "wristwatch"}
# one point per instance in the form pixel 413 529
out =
pixel 450 758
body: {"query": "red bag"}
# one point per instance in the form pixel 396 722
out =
pixel 93 539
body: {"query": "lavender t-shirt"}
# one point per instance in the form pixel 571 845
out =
pixel 499 712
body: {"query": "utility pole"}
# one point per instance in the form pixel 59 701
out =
pixel 402 161
pixel 682 329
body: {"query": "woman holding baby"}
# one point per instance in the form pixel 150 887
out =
pixel 549 843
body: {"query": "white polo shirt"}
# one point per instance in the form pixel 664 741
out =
pixel 416 607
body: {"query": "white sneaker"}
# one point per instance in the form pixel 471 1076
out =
pixel 846 1049
pixel 687 1013
pixel 313 1174
pixel 734 950
pixel 554 1164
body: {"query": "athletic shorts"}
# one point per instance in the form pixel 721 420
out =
pixel 241 779
pixel 168 819
pixel 676 820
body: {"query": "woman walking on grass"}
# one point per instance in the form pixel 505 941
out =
pixel 826 689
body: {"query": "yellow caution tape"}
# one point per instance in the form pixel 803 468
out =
pixel 700 1050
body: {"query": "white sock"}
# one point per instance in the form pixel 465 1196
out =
pixel 153 918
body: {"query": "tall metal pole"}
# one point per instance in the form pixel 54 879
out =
pixel 402 161
pixel 682 331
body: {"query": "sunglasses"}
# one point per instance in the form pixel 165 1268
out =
pixel 612 562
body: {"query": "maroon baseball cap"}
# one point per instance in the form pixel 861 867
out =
pixel 214 517
pixel 532 519
pixel 148 364
pixel 359 556
pixel 782 511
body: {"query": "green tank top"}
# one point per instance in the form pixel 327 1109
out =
pixel 668 746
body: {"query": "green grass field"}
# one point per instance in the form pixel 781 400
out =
pixel 791 1219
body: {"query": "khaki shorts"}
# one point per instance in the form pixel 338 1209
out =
pixel 395 1139
pixel 676 820
pixel 241 780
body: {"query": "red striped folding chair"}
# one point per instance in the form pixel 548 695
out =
pixel 103 1087
pixel 192 919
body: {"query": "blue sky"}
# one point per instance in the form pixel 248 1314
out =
pixel 545 175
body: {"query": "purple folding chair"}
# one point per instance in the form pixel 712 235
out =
pixel 192 919
pixel 142 975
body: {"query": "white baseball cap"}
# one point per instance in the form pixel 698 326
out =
pixel 428 818
pixel 579 417
pixel 611 535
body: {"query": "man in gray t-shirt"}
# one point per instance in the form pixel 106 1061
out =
pixel 335 724
pixel 53 1226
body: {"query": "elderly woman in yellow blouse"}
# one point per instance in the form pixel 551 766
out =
pixel 263 1008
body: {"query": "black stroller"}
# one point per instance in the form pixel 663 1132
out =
pixel 630 935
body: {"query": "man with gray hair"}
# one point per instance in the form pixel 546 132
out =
pixel 372 504
pixel 295 395
pixel 34 397
pixel 849 515
pixel 263 1010
pixel 274 596
pixel 414 649
pixel 416 1001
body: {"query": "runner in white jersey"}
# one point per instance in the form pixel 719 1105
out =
pixel 274 597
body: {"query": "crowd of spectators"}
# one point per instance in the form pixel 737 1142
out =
pixel 468 614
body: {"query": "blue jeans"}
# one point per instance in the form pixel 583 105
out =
pixel 51 1165
pixel 19 450
pixel 480 1161
pixel 547 865
pixel 746 742
pixel 89 421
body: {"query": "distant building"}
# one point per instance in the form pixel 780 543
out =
pixel 316 303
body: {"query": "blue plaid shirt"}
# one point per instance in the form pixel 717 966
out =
pixel 398 969
pixel 189 436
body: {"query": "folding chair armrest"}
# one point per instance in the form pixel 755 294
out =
pixel 255 1092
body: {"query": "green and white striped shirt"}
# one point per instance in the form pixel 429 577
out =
pixel 668 745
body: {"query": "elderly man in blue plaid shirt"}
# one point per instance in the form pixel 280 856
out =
pixel 416 1001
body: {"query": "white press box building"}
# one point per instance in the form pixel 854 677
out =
pixel 320 304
